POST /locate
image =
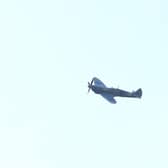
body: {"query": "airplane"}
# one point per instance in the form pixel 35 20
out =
pixel 98 87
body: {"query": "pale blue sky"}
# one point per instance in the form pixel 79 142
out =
pixel 50 50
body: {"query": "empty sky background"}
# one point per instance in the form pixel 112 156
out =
pixel 49 50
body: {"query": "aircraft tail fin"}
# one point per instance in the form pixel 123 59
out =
pixel 139 93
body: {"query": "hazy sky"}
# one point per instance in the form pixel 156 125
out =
pixel 49 50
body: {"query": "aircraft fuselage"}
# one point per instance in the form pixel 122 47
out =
pixel 114 91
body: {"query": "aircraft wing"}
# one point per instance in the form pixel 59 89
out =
pixel 98 82
pixel 109 98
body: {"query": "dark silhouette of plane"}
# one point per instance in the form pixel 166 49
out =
pixel 99 87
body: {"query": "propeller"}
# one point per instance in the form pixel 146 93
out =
pixel 90 85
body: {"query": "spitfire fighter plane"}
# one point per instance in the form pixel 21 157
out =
pixel 98 87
